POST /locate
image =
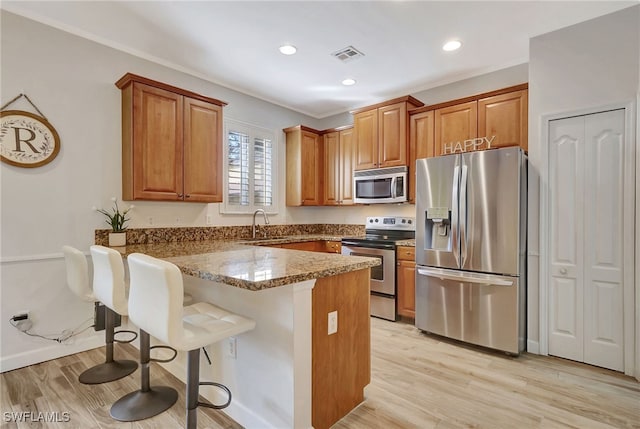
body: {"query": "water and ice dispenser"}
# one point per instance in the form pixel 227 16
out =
pixel 437 229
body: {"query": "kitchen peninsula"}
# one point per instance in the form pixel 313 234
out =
pixel 288 372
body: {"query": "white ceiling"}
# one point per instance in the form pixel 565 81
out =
pixel 235 43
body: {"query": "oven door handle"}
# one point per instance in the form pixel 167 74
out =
pixel 369 245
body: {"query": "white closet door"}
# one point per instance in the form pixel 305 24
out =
pixel 604 220
pixel 566 338
pixel 586 308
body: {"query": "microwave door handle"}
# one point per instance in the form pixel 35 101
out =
pixel 462 216
pixel 393 186
pixel 454 216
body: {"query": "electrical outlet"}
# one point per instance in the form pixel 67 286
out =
pixel 332 322
pixel 150 220
pixel 21 315
pixel 178 221
pixel 209 219
pixel 232 347
pixel 21 320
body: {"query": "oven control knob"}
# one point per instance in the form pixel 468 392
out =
pixel 370 220
pixel 409 221
pixel 404 220
pixel 376 220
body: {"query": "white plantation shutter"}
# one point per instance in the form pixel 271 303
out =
pixel 249 169
pixel 238 169
pixel 262 183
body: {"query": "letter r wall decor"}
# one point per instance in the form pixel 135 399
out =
pixel 27 140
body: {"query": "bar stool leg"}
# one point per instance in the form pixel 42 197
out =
pixel 193 384
pixel 112 369
pixel 148 401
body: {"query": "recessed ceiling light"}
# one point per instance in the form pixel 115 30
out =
pixel 349 82
pixel 451 45
pixel 288 49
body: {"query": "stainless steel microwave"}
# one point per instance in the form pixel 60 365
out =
pixel 380 185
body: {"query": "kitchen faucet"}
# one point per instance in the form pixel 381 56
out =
pixel 266 221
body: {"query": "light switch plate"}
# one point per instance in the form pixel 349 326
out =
pixel 332 322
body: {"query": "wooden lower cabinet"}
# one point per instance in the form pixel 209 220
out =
pixel 406 278
pixel 341 362
pixel 325 246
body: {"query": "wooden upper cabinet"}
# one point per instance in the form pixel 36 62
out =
pixel 347 157
pixel 171 143
pixel 202 150
pixel 455 124
pixel 380 134
pixel 365 138
pixel 392 135
pixel 421 144
pixel 504 116
pixel 304 167
pixel 338 167
pixel 331 168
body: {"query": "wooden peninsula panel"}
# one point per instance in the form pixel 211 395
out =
pixel 341 362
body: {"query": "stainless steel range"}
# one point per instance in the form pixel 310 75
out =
pixel 382 236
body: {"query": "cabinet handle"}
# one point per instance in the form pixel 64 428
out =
pixel 187 196
pixel 179 195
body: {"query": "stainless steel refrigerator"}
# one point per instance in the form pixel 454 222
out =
pixel 470 247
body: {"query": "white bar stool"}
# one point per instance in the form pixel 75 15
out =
pixel 78 282
pixel 155 305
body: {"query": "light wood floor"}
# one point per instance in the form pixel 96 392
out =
pixel 418 381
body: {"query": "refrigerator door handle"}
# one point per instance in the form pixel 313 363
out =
pixel 454 215
pixel 463 216
pixel 487 279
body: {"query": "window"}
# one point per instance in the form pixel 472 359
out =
pixel 249 169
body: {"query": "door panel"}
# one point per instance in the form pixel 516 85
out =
pixel 202 151
pixel 437 243
pixel 331 169
pixel 566 226
pixel 604 139
pixel 490 225
pixel 346 167
pixel 586 317
pixel 468 311
pixel 157 154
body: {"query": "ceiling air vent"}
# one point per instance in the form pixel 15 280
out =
pixel 347 54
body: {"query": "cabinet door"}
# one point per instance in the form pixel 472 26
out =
pixel 310 246
pixel 202 151
pixel 420 145
pixel 505 117
pixel 157 144
pixel 332 247
pixel 311 157
pixel 365 136
pixel 346 166
pixel 392 135
pixel 455 124
pixel 407 288
pixel 331 168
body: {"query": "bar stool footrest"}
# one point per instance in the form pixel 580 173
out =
pixel 175 354
pixel 124 331
pixel 221 386
pixel 108 371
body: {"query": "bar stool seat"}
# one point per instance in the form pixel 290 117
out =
pixel 155 306
pixel 78 281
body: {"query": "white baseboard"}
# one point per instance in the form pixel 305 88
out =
pixel 43 354
pixel 533 347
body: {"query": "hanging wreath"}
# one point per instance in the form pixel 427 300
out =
pixel 27 140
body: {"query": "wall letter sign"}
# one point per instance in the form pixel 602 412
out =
pixel 467 145
pixel 27 140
